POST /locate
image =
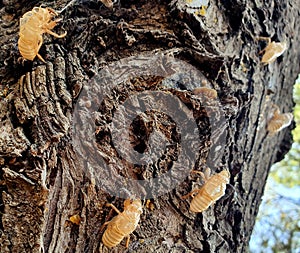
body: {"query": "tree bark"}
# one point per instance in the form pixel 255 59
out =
pixel 45 180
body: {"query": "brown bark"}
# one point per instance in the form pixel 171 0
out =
pixel 45 181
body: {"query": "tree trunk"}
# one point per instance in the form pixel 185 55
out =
pixel 64 148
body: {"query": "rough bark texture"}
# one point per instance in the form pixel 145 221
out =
pixel 44 182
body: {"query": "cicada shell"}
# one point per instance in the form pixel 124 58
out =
pixel 279 121
pixel 33 24
pixel 123 224
pixel 272 51
pixel 213 189
pixel 206 92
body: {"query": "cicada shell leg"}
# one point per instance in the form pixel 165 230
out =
pixel 41 58
pixel 52 11
pixel 40 43
pixel 202 175
pixel 113 207
pixel 190 194
pixel 104 225
pixel 55 34
pixel 268 39
pixel 127 241
pixel 107 222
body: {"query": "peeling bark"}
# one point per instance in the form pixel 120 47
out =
pixel 44 181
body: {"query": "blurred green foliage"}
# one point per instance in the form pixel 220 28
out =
pixel 277 228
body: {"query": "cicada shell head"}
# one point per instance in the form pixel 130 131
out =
pixel 224 176
pixel 133 205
